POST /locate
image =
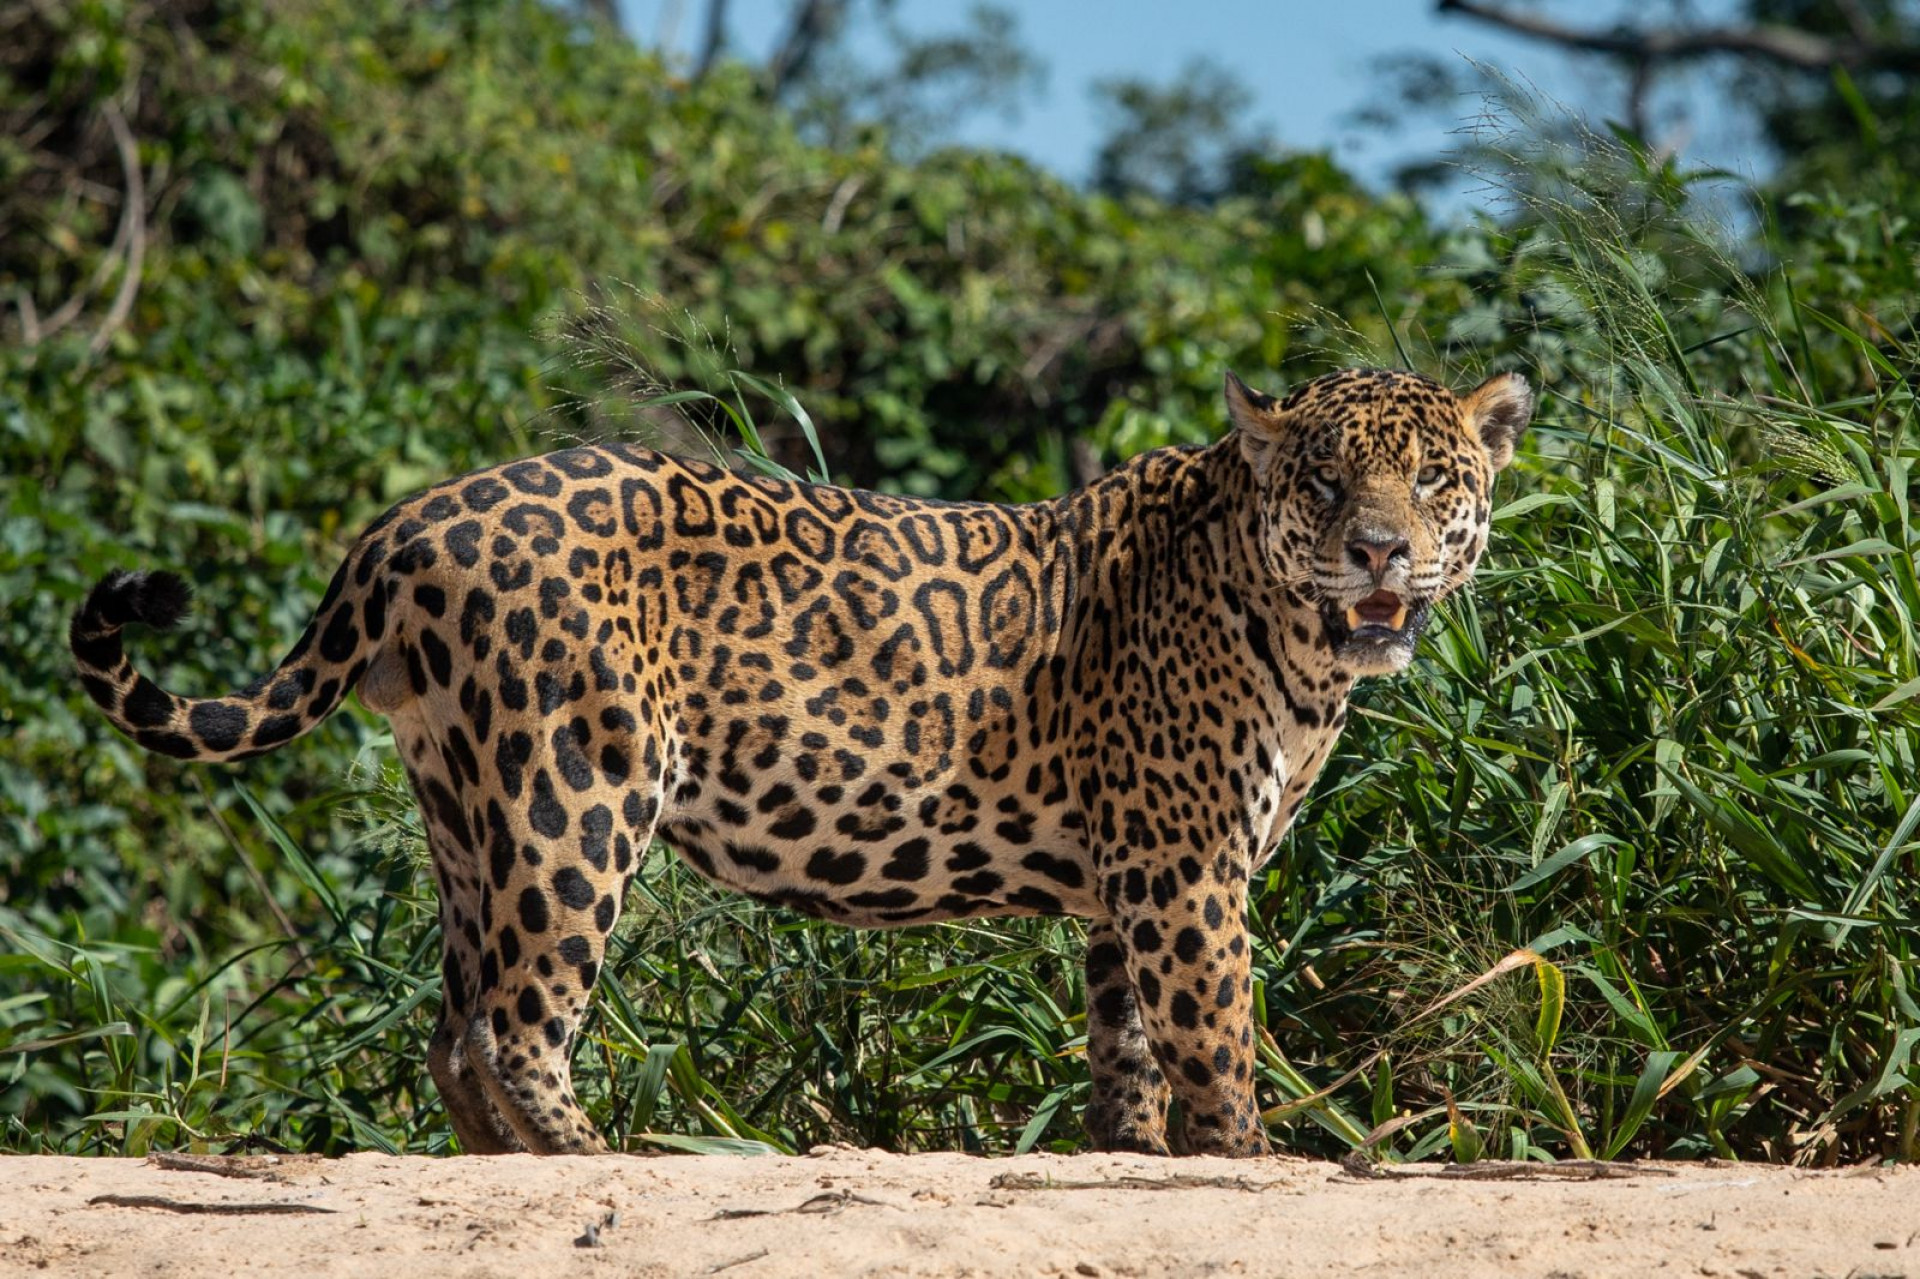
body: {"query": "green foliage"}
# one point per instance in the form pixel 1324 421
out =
pixel 1671 749
pixel 1626 865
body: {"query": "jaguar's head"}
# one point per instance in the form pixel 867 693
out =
pixel 1376 491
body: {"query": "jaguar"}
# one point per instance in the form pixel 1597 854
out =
pixel 873 709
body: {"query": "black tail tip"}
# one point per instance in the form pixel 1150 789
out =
pixel 155 599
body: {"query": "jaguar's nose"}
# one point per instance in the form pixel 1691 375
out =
pixel 1377 554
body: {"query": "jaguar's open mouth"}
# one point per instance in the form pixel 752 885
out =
pixel 1379 615
pixel 1377 631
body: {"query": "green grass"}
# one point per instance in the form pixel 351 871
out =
pixel 1670 749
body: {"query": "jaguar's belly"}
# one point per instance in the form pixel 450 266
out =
pixel 884 859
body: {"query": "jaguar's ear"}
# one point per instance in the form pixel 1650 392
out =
pixel 1257 422
pixel 1499 409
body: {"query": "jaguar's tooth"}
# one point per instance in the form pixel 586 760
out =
pixel 1354 621
pixel 1399 617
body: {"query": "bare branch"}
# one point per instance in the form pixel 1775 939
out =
pixel 1083 461
pixel 1638 91
pixel 133 215
pixel 714 41
pixel 29 318
pixel 1787 46
pixel 814 23
pixel 842 197
pixel 1856 18
pixel 126 252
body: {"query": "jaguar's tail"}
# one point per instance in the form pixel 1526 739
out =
pixel 304 689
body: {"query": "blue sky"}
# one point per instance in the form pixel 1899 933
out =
pixel 1310 66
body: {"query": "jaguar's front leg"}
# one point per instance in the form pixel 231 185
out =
pixel 1184 938
pixel 1128 1110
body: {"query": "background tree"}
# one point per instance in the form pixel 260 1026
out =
pixel 1831 82
pixel 923 85
pixel 1178 142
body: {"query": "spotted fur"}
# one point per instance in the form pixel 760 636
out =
pixel 872 709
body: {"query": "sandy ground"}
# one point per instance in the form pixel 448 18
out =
pixel 847 1212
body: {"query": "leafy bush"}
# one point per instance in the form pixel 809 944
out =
pixel 1668 753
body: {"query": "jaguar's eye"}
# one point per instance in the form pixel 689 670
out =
pixel 1429 476
pixel 1328 478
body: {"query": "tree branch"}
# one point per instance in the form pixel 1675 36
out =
pixel 1787 46
pixel 1856 18
pixel 714 42
pixel 814 22
pixel 1083 461
pixel 133 214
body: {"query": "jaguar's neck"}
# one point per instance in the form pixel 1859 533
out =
pixel 1180 533
pixel 1274 626
pixel 1280 620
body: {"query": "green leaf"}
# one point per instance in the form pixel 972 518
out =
pixel 1896 843
pixel 1468 1146
pixel 1532 502
pixel 1748 838
pixel 652 1082
pixel 1042 1116
pixel 1898 695
pixel 1566 857
pixel 60 1041
pixel 785 399
pixel 296 857
pixel 1866 548
pixel 1646 1091
pixel 1553 1004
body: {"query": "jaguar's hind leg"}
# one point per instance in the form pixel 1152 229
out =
pixel 476 1122
pixel 557 870
pixel 1128 1110
pixel 478 1125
